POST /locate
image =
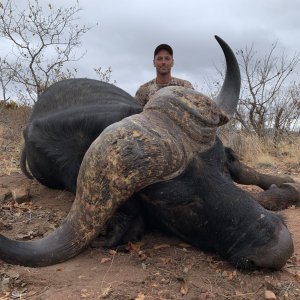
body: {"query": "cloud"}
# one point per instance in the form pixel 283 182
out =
pixel 129 30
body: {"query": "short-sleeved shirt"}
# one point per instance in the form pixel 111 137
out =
pixel 147 90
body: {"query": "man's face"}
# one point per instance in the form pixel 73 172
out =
pixel 163 62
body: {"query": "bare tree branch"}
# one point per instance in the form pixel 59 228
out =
pixel 105 75
pixel 264 82
pixel 43 40
pixel 269 101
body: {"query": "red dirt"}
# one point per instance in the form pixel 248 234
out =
pixel 157 268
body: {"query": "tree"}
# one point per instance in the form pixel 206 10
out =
pixel 42 41
pixel 5 79
pixel 104 74
pixel 267 102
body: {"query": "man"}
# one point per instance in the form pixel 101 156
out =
pixel 163 62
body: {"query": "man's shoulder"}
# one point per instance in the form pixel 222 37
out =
pixel 144 91
pixel 181 82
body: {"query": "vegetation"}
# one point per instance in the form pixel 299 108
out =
pixel 252 149
pixel 261 151
pixel 269 105
pixel 264 133
pixel 268 100
pixel 42 40
pixel 12 123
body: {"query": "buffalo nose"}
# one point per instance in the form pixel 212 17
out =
pixel 275 254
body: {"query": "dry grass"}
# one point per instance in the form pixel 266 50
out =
pixel 250 148
pixel 12 123
pixel 262 151
pixel 291 150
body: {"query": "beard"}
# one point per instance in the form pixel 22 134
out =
pixel 163 70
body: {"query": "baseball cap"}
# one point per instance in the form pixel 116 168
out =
pixel 163 47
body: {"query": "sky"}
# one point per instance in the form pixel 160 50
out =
pixel 129 30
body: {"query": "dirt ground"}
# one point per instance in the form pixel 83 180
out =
pixel 158 267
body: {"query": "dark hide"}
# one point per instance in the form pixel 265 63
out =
pixel 202 206
pixel 205 209
pixel 279 192
pixel 66 119
pixel 243 174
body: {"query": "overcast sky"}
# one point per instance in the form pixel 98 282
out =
pixel 129 30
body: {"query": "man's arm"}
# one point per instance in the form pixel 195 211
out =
pixel 141 95
pixel 188 85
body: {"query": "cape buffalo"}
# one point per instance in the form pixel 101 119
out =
pixel 166 158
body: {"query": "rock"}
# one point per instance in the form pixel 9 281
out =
pixel 21 195
pixel 224 274
pixel 269 295
pixel 19 293
pixel 4 194
pixel 4 226
pixel 5 281
pixel 12 274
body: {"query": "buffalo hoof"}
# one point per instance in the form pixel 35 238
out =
pixel 295 188
pixel 121 231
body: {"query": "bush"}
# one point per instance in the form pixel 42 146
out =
pixel 262 151
pixel 8 105
pixel 12 123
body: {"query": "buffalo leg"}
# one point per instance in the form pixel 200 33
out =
pixel 244 174
pixel 126 225
pixel 279 197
